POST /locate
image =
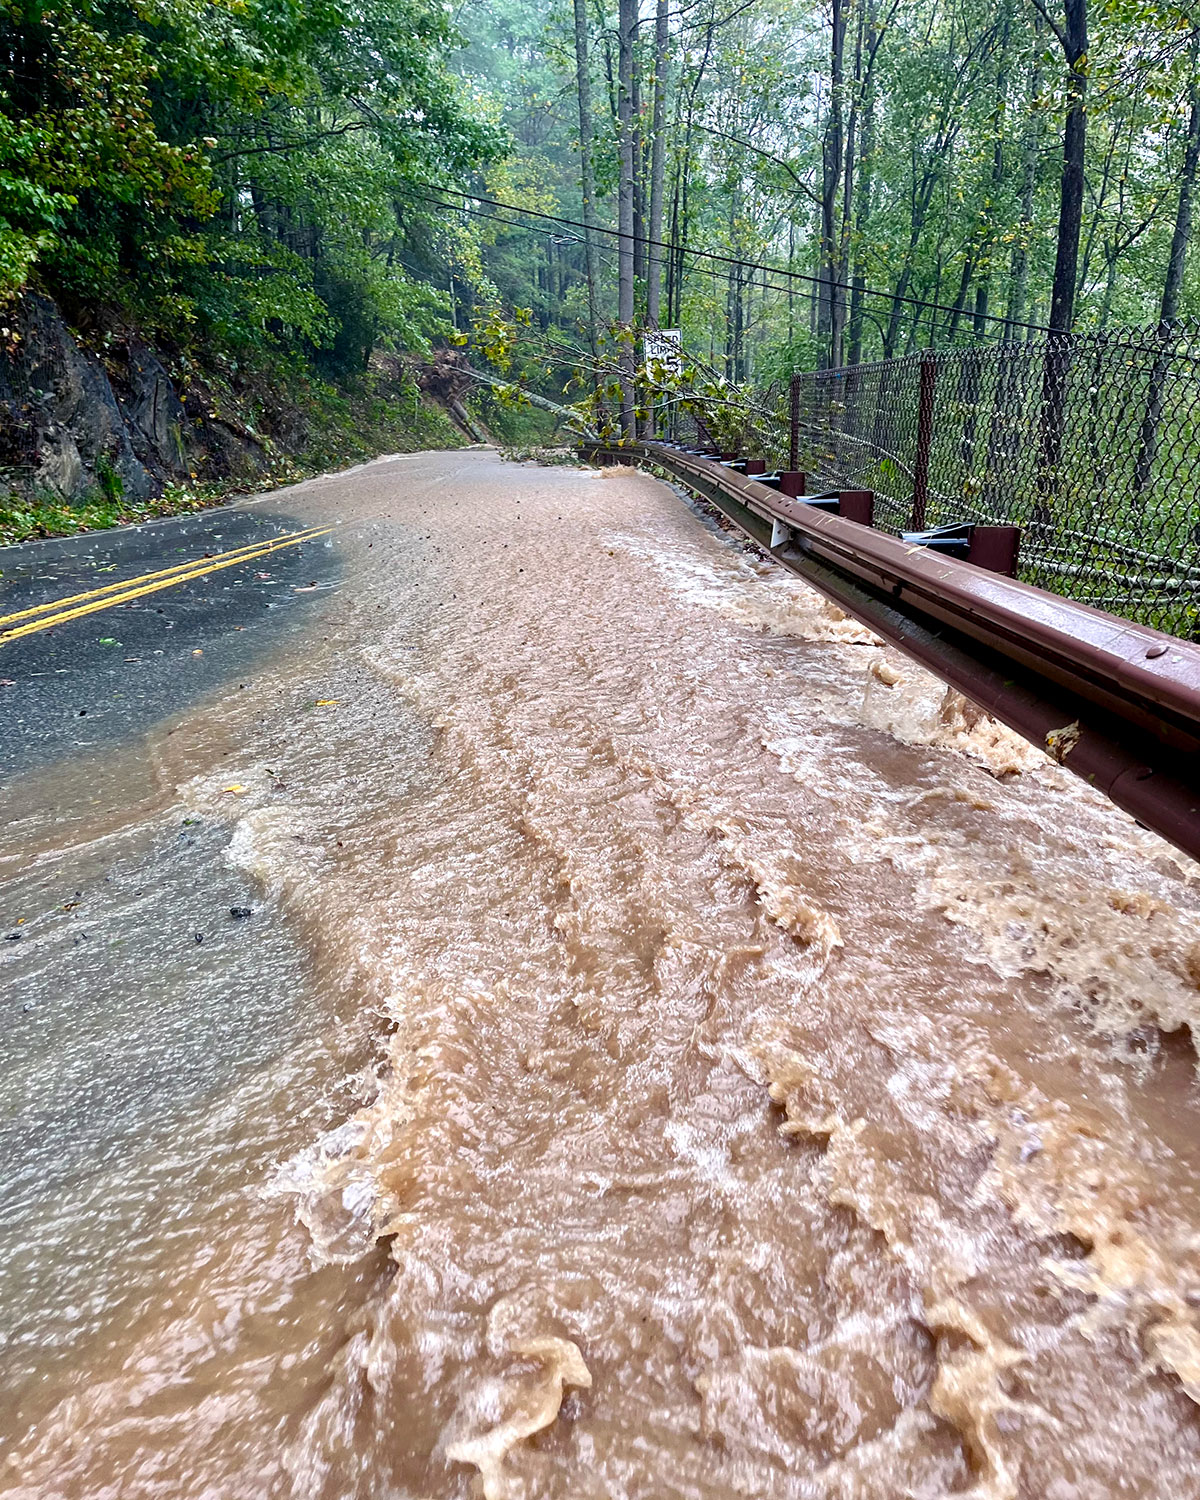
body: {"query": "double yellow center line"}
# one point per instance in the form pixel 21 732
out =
pixel 59 611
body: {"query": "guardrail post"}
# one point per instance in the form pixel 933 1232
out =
pixel 995 548
pixel 793 482
pixel 755 466
pixel 924 442
pixel 857 505
pixel 794 423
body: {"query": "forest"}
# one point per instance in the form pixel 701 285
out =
pixel 793 186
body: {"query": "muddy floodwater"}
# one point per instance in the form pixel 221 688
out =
pixel 678 1050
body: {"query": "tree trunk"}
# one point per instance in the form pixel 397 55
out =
pixel 791 295
pixel 587 175
pixel 1074 40
pixel 1176 261
pixel 900 291
pixel 626 35
pixel 987 240
pixel 832 152
pixel 956 311
pixel 863 183
pixel 639 196
pixel 1172 284
pixel 733 298
pixel 1074 37
pixel 682 226
pixel 862 219
pixel 658 165
pixel 1031 149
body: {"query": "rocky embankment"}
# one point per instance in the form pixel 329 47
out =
pixel 102 412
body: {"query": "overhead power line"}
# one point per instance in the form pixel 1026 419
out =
pixel 713 255
pixel 807 294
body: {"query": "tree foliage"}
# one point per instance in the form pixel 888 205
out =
pixel 877 174
pixel 826 182
pixel 233 168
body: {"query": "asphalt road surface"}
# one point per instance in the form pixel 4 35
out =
pixel 99 640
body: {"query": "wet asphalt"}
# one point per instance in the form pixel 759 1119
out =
pixel 106 676
pixel 143 978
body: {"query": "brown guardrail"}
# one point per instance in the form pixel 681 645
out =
pixel 1116 702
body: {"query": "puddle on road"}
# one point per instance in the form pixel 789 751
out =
pixel 785 1084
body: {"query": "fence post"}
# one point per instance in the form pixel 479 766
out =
pixel 924 442
pixel 794 423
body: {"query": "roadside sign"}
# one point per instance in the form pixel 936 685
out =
pixel 663 346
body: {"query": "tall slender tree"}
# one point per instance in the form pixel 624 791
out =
pixel 1173 280
pixel 658 162
pixel 627 26
pixel 1072 35
pixel 587 171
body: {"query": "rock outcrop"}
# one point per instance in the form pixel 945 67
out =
pixel 64 427
pixel 107 414
pixel 154 414
pixel 73 424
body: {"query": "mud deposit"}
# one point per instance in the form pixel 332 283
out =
pixel 697 1056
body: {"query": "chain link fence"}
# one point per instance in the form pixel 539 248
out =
pixel 1091 444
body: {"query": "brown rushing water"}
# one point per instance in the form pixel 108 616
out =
pixel 785 1081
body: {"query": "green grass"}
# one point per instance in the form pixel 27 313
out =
pixel 22 520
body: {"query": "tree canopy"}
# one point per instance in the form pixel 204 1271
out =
pixel 798 184
pixel 235 167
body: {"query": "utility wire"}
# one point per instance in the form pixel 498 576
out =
pixel 729 260
pixel 807 295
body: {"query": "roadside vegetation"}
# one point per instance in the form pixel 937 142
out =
pixel 23 521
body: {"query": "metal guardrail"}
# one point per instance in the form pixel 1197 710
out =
pixel 1114 701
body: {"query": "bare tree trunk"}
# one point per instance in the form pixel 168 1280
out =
pixel 838 305
pixel 922 196
pixel 1172 284
pixel 863 183
pixel 658 172
pixel 984 257
pixel 673 253
pixel 862 219
pixel 895 316
pixel 832 151
pixel 639 195
pixel 1031 149
pixel 626 35
pixel 959 301
pixel 733 298
pixel 1177 259
pixel 1111 257
pixel 587 174
pixel 1073 37
pixel 682 225
pixel 791 295
pixel 658 165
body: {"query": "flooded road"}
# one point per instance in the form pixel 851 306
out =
pixel 676 1050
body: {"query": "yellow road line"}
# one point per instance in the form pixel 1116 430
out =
pixel 125 583
pixel 207 565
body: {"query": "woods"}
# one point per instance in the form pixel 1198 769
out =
pixel 879 175
pixel 232 174
pixel 794 186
